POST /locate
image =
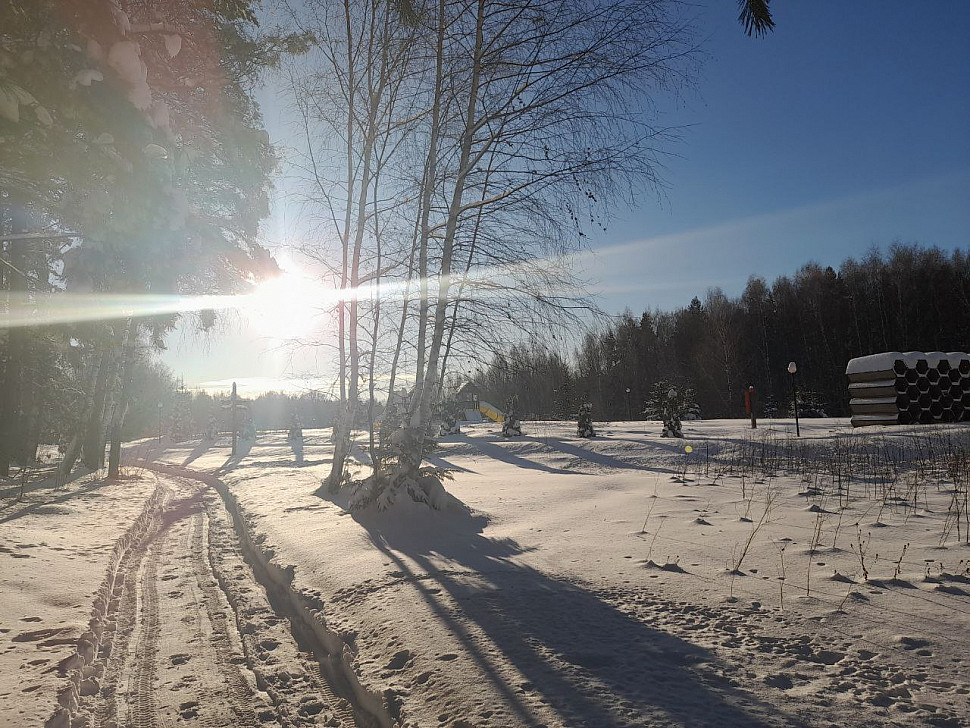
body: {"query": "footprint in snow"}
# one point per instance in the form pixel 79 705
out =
pixel 400 659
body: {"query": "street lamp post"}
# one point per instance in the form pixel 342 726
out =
pixel 792 368
pixel 629 409
pixel 159 422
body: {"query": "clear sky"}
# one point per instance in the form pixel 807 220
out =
pixel 846 127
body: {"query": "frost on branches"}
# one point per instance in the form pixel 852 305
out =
pixel 671 404
pixel 511 427
pixel 584 427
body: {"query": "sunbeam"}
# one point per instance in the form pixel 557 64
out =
pixel 283 307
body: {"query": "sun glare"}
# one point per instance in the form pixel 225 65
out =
pixel 285 307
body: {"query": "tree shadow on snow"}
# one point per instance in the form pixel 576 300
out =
pixel 51 480
pixel 242 450
pixel 31 507
pixel 198 451
pixel 502 454
pixel 583 453
pixel 440 462
pixel 585 659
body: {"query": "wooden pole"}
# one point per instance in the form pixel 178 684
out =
pixel 232 408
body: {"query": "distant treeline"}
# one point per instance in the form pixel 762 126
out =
pixel 187 414
pixel 912 298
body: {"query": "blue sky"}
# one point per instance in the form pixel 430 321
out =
pixel 845 128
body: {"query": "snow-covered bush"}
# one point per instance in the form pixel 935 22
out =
pixel 399 473
pixel 449 424
pixel 670 404
pixel 584 425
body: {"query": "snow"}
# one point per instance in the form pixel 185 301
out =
pixel 884 361
pixel 12 97
pixel 597 582
pixel 94 49
pixel 9 105
pixel 173 44
pixel 43 115
pixel 120 18
pixel 55 545
pixel 87 76
pixel 155 151
pixel 159 117
pixel 125 58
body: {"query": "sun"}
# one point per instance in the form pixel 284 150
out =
pixel 285 307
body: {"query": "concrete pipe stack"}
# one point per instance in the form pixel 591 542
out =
pixel 909 388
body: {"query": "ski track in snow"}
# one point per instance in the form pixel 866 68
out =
pixel 541 608
pixel 182 633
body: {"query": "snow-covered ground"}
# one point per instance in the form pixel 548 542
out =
pixel 618 581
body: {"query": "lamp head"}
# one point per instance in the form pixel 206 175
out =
pixel 792 367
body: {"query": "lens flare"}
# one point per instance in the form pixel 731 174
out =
pixel 284 307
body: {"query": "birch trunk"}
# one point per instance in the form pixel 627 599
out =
pixel 343 434
pixel 420 419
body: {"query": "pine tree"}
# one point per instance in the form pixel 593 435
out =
pixel 671 404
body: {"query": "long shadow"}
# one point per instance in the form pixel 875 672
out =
pixel 440 462
pixel 27 510
pixel 201 449
pixel 285 462
pixel 587 660
pixel 583 454
pixel 51 482
pixel 496 452
pixel 242 450
pixel 671 446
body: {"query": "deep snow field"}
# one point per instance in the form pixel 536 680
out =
pixel 618 581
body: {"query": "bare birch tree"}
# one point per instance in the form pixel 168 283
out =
pixel 535 125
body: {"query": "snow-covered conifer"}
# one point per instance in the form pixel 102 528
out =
pixel 584 427
pixel 671 404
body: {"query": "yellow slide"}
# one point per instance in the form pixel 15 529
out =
pixel 493 413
